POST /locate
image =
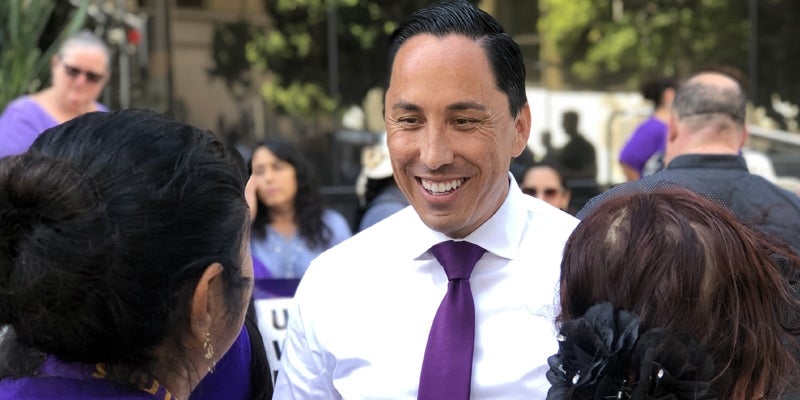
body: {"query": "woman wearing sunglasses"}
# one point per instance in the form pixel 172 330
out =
pixel 78 73
pixel 545 182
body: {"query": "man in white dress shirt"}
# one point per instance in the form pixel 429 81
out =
pixel 456 114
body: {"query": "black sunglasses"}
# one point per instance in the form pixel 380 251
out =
pixel 546 192
pixel 74 72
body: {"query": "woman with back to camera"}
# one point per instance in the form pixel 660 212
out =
pixel 291 225
pixel 78 73
pixel 124 264
pixel 665 295
pixel 642 153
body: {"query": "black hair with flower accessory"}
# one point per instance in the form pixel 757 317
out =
pixel 602 356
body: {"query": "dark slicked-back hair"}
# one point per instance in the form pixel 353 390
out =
pixel 459 17
pixel 106 225
pixel 684 263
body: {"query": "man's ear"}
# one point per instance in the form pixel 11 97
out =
pixel 522 126
pixel 672 128
pixel 673 145
pixel 205 301
pixel 745 135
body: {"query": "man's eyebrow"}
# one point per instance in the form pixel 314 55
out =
pixel 461 105
pixel 403 105
pixel 466 105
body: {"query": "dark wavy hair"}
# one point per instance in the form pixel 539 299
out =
pixel 653 90
pixel 459 17
pixel 309 205
pixel 553 165
pixel 681 262
pixel 106 225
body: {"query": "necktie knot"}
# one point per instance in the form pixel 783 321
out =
pixel 457 258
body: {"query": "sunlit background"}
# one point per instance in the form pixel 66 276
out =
pixel 313 70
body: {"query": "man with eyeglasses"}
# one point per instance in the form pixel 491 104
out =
pixel 703 153
pixel 78 72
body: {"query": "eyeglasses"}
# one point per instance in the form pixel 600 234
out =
pixel 74 72
pixel 545 192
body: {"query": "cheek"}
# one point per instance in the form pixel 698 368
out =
pixel 261 192
pixel 291 183
pixel 402 148
pixel 292 192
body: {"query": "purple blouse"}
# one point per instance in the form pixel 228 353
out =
pixel 21 123
pixel 59 380
pixel 649 139
pixel 231 377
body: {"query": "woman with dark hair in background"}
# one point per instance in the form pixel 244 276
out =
pixel 291 225
pixel 124 266
pixel 667 295
pixel 545 181
pixel 641 155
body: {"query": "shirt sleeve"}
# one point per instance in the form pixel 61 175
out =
pixel 18 130
pixel 644 142
pixel 302 373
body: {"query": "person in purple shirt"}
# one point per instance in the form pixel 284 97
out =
pixel 78 72
pixel 291 223
pixel 642 152
pixel 125 269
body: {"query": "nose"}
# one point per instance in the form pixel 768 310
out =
pixel 80 79
pixel 266 176
pixel 435 150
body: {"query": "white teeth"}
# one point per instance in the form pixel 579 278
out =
pixel 438 188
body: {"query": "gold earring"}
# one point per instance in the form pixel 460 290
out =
pixel 208 347
pixel 209 355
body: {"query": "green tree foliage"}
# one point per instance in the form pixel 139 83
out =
pixel 22 23
pixel 778 54
pixel 295 51
pixel 229 57
pixel 620 42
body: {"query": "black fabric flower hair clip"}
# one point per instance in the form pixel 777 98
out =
pixel 602 356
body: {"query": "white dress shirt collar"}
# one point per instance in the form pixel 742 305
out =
pixel 499 235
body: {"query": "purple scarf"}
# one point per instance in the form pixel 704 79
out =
pixel 73 381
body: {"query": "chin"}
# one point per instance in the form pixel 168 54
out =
pixel 450 225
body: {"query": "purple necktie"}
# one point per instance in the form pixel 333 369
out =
pixel 447 367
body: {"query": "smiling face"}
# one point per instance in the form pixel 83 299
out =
pixel 76 90
pixel 450 133
pixel 275 179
